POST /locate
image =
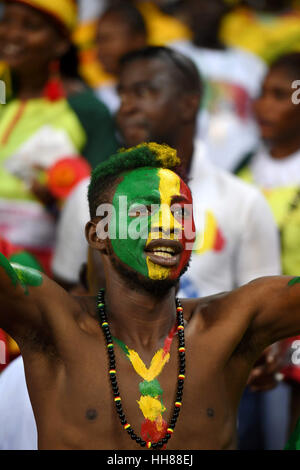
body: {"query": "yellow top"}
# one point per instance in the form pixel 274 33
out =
pixel 65 11
pixel 266 35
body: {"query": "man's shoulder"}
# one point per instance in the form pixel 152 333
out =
pixel 197 308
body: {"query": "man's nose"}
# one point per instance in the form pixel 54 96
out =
pixel 127 105
pixel 164 223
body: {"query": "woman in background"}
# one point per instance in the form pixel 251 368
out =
pixel 51 115
pixel 275 169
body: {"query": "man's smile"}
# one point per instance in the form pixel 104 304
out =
pixel 164 252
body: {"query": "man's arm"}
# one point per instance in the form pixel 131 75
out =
pixel 274 306
pixel 27 299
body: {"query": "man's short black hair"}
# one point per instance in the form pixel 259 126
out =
pixel 144 155
pixel 288 62
pixel 128 14
pixel 186 75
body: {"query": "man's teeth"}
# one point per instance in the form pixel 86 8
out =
pixel 164 252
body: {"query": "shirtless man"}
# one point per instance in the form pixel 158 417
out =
pixel 84 398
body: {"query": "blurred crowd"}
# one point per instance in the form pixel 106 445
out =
pixel 219 81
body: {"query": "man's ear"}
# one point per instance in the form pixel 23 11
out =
pixel 92 237
pixel 190 104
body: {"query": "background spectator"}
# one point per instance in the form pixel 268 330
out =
pixel 274 168
pixel 232 77
pixel 121 29
pixel 267 28
pixel 51 115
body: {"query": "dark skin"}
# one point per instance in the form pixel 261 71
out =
pixel 114 39
pixel 277 116
pixel 272 6
pixel 205 20
pixel 66 365
pixel 155 108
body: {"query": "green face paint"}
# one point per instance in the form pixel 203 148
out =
pixel 27 277
pixel 21 275
pixel 140 187
pixel 5 264
pixel 143 210
pixel 295 280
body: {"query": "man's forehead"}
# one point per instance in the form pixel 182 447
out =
pixel 145 70
pixel 146 181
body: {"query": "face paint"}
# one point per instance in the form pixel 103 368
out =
pixel 150 403
pixel 172 222
pixel 21 274
pixel 295 280
pixel 145 189
pixel 27 277
pixel 5 264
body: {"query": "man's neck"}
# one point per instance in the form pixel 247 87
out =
pixel 185 151
pixel 211 42
pixel 281 150
pixel 31 85
pixel 137 317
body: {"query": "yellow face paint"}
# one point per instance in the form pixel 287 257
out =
pixel 169 187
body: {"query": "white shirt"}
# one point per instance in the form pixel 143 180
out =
pixel 271 172
pixel 241 242
pixel 71 245
pixel 17 423
pixel 233 78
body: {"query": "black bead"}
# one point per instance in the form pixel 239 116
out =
pixel 164 440
pixel 154 445
pixel 143 443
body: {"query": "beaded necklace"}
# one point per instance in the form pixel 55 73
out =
pixel 113 378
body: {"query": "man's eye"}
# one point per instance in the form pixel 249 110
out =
pixel 139 211
pixel 142 91
pixel 181 212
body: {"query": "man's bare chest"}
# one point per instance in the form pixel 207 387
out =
pixel 83 412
